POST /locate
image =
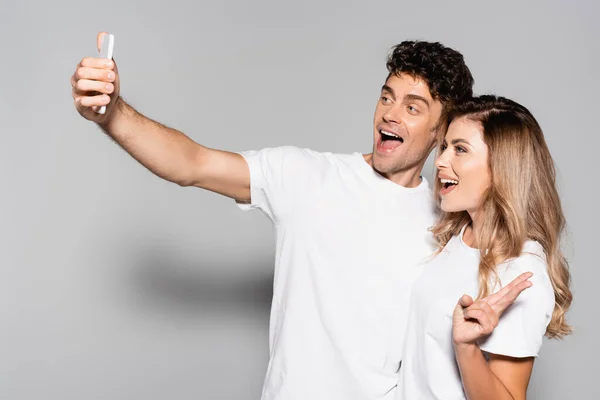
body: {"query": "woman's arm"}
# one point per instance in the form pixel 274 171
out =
pixel 502 378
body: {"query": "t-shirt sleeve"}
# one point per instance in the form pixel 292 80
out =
pixel 279 178
pixel 522 327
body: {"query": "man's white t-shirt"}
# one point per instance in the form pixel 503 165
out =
pixel 348 245
pixel 429 369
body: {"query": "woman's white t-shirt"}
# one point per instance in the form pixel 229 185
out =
pixel 429 369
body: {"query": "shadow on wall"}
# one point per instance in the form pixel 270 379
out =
pixel 161 280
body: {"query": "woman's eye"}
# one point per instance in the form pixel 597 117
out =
pixel 460 149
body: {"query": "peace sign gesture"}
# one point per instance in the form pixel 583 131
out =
pixel 474 320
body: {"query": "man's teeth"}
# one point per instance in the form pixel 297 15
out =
pixel 449 181
pixel 384 133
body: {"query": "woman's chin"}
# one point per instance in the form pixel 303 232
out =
pixel 451 208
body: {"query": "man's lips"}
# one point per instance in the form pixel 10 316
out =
pixel 388 140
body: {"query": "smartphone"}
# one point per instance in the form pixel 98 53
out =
pixel 108 44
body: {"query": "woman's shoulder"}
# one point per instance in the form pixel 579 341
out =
pixel 532 259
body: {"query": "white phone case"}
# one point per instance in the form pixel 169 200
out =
pixel 108 44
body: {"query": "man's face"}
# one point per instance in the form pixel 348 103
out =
pixel 404 126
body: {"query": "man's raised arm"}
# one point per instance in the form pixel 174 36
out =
pixel 166 152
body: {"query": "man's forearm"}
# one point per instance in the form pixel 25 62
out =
pixel 166 152
pixel 479 381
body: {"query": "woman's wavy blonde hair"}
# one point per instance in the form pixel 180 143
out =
pixel 521 203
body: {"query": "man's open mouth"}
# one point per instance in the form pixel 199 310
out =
pixel 389 141
pixel 386 135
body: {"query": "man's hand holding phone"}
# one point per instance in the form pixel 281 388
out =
pixel 96 82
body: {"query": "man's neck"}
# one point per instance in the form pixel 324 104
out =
pixel 409 178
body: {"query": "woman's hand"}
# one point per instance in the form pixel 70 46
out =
pixel 474 320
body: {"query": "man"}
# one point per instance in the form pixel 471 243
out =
pixel 351 229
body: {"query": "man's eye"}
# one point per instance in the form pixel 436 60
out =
pixel 385 100
pixel 412 110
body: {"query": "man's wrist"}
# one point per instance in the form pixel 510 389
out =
pixel 116 109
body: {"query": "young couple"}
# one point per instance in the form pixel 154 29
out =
pixel 383 289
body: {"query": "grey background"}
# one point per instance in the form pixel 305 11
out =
pixel 115 284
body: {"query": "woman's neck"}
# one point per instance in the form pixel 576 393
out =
pixel 471 233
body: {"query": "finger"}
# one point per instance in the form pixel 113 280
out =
pixel 100 39
pixel 505 301
pixel 481 317
pixel 85 85
pixel 489 312
pixel 476 314
pixel 465 300
pixel 97 62
pixel 517 281
pixel 95 74
pixel 91 101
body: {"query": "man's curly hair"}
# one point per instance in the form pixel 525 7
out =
pixel 443 69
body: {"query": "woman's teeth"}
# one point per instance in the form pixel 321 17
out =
pixel 451 181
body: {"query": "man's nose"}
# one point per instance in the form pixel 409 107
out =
pixel 394 114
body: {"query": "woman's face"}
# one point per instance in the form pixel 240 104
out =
pixel 462 166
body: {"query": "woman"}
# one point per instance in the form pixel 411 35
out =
pixel 500 227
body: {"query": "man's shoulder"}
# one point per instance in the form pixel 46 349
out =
pixel 296 154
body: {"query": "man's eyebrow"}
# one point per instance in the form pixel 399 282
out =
pixel 416 97
pixel 386 88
